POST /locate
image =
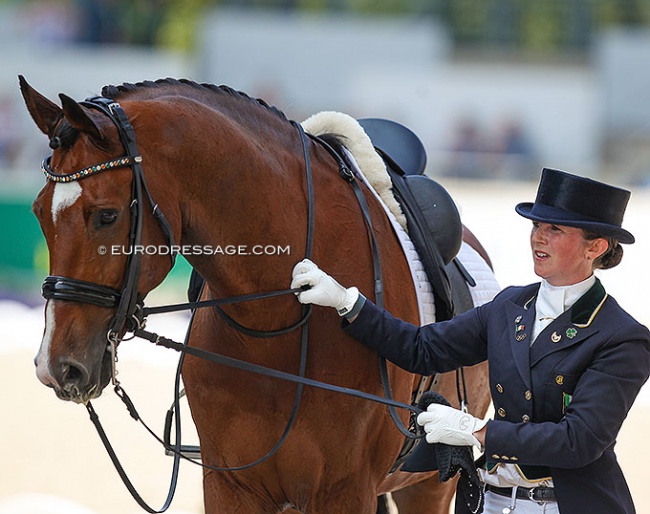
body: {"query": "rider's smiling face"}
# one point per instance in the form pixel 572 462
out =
pixel 562 255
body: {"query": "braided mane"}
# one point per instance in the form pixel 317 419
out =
pixel 118 92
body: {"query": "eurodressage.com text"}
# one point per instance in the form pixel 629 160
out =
pixel 195 250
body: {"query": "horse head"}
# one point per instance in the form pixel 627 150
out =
pixel 91 220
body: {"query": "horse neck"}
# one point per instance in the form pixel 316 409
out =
pixel 241 193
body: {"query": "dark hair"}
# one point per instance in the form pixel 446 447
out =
pixel 612 256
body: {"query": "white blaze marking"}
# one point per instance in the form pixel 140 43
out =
pixel 65 194
pixel 43 357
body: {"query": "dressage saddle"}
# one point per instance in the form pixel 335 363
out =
pixel 433 220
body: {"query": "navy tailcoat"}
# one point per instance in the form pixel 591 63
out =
pixel 559 404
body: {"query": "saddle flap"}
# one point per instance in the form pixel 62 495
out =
pixel 439 213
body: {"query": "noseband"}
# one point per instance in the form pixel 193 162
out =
pixel 127 301
pixel 74 290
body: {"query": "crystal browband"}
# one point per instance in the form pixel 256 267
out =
pixel 86 172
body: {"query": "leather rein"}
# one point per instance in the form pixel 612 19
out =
pixel 131 314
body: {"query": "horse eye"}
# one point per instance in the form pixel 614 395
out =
pixel 107 217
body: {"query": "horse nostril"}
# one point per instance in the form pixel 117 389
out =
pixel 73 374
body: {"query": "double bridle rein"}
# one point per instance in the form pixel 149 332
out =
pixel 130 315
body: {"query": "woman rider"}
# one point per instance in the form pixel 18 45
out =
pixel 566 362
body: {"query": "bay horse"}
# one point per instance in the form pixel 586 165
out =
pixel 227 171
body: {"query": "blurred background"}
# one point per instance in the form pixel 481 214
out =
pixel 496 89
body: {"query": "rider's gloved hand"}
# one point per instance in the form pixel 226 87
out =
pixel 323 289
pixel 451 426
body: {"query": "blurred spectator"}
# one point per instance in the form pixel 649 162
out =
pixel 51 23
pixel 99 21
pixel 468 158
pixel 133 22
pixel 142 20
pixel 129 22
pixel 9 134
pixel 517 157
pixel 504 153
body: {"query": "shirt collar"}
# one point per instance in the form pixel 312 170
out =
pixel 554 300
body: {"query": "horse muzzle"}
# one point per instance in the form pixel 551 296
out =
pixel 75 384
pixel 71 380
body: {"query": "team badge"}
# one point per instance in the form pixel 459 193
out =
pixel 571 333
pixel 520 335
pixel 555 337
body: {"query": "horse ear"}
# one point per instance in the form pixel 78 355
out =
pixel 79 117
pixel 45 113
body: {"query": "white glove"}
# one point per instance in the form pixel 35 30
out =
pixel 447 425
pixel 325 291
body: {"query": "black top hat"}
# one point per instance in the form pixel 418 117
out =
pixel 565 199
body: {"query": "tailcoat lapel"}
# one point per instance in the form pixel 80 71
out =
pixel 521 319
pixel 572 327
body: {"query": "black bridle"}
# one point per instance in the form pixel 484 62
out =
pixel 130 315
pixel 127 302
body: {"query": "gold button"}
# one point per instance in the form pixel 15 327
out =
pixel 525 418
pixel 514 458
pixel 559 380
pixel 528 395
pixel 495 456
pixel 502 412
pixel 499 388
pixel 505 457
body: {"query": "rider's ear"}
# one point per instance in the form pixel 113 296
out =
pixel 80 118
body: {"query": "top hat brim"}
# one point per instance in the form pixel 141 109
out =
pixel 548 214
